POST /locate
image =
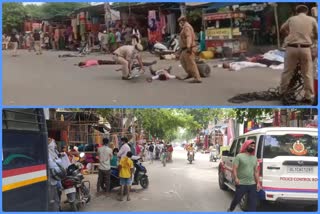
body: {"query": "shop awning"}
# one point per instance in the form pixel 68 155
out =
pixel 220 5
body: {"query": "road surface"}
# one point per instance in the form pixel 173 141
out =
pixel 46 79
pixel 179 186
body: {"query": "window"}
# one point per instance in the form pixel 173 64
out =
pixel 290 145
pixel 240 143
pixel 260 146
pixel 233 148
pixel 22 119
pixel 24 149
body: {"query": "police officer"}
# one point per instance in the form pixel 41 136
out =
pixel 188 49
pixel 301 30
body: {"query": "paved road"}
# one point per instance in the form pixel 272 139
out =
pixel 179 186
pixel 48 80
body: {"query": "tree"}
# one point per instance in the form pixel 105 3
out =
pixel 60 9
pixel 34 11
pixel 13 15
pixel 252 113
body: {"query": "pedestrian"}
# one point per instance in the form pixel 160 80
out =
pixel 151 152
pixel 46 40
pixel 20 40
pixel 125 148
pixel 114 160
pixel 301 30
pixel 105 156
pixel 136 36
pixel 112 40
pixel 100 35
pixel 126 170
pixel 246 176
pixel 118 37
pixel 202 40
pixel 127 36
pixel 105 42
pixel 37 42
pixel 31 42
pixel 188 49
pixel 14 42
pixel 125 55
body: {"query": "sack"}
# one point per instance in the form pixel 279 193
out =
pixel 204 69
pixel 151 148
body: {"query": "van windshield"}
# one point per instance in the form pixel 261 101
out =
pixel 290 145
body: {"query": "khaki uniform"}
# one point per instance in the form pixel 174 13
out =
pixel 123 56
pixel 187 60
pixel 302 31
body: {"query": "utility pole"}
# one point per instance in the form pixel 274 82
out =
pixel 107 15
pixel 183 9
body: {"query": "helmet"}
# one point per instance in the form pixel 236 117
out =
pixel 58 172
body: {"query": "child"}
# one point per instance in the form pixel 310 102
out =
pixel 114 159
pixel 125 173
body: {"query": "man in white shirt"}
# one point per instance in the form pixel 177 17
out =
pixel 124 149
pixel 105 155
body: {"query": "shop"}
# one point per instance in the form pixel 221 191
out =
pixel 223 33
pixel 154 20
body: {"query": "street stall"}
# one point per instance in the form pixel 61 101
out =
pixel 223 32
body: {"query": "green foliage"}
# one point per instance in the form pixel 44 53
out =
pixel 60 9
pixel 252 113
pixel 13 15
pixel 34 11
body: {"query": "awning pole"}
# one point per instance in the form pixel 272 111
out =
pixel 277 23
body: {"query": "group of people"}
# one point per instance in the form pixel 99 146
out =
pixel 30 40
pixel 116 37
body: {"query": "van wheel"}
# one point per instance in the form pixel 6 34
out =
pixel 221 181
pixel 244 202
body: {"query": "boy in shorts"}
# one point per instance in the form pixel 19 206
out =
pixel 126 170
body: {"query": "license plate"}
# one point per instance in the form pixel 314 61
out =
pixel 300 170
pixel 71 190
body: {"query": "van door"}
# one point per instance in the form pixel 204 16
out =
pixel 290 162
pixel 228 161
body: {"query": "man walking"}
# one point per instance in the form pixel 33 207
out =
pixel 188 49
pixel 246 176
pixel 105 155
pixel 37 42
pixel 301 30
pixel 14 42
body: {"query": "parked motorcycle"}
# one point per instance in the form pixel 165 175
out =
pixel 140 175
pixel 76 189
pixel 190 157
pixel 214 156
pixel 171 46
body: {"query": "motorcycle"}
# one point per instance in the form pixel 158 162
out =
pixel 214 156
pixel 140 175
pixel 190 157
pixel 76 189
pixel 171 46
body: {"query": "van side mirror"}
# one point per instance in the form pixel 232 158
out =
pixel 225 153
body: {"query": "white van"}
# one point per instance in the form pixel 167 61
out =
pixel 288 160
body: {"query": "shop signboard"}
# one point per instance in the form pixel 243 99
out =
pixel 222 32
pixel 220 16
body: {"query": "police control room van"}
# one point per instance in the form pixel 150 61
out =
pixel 288 165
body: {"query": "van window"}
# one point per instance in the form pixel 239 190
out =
pixel 233 148
pixel 290 145
pixel 260 146
pixel 254 138
pixel 21 119
pixel 240 143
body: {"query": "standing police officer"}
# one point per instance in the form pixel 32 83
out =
pixel 301 30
